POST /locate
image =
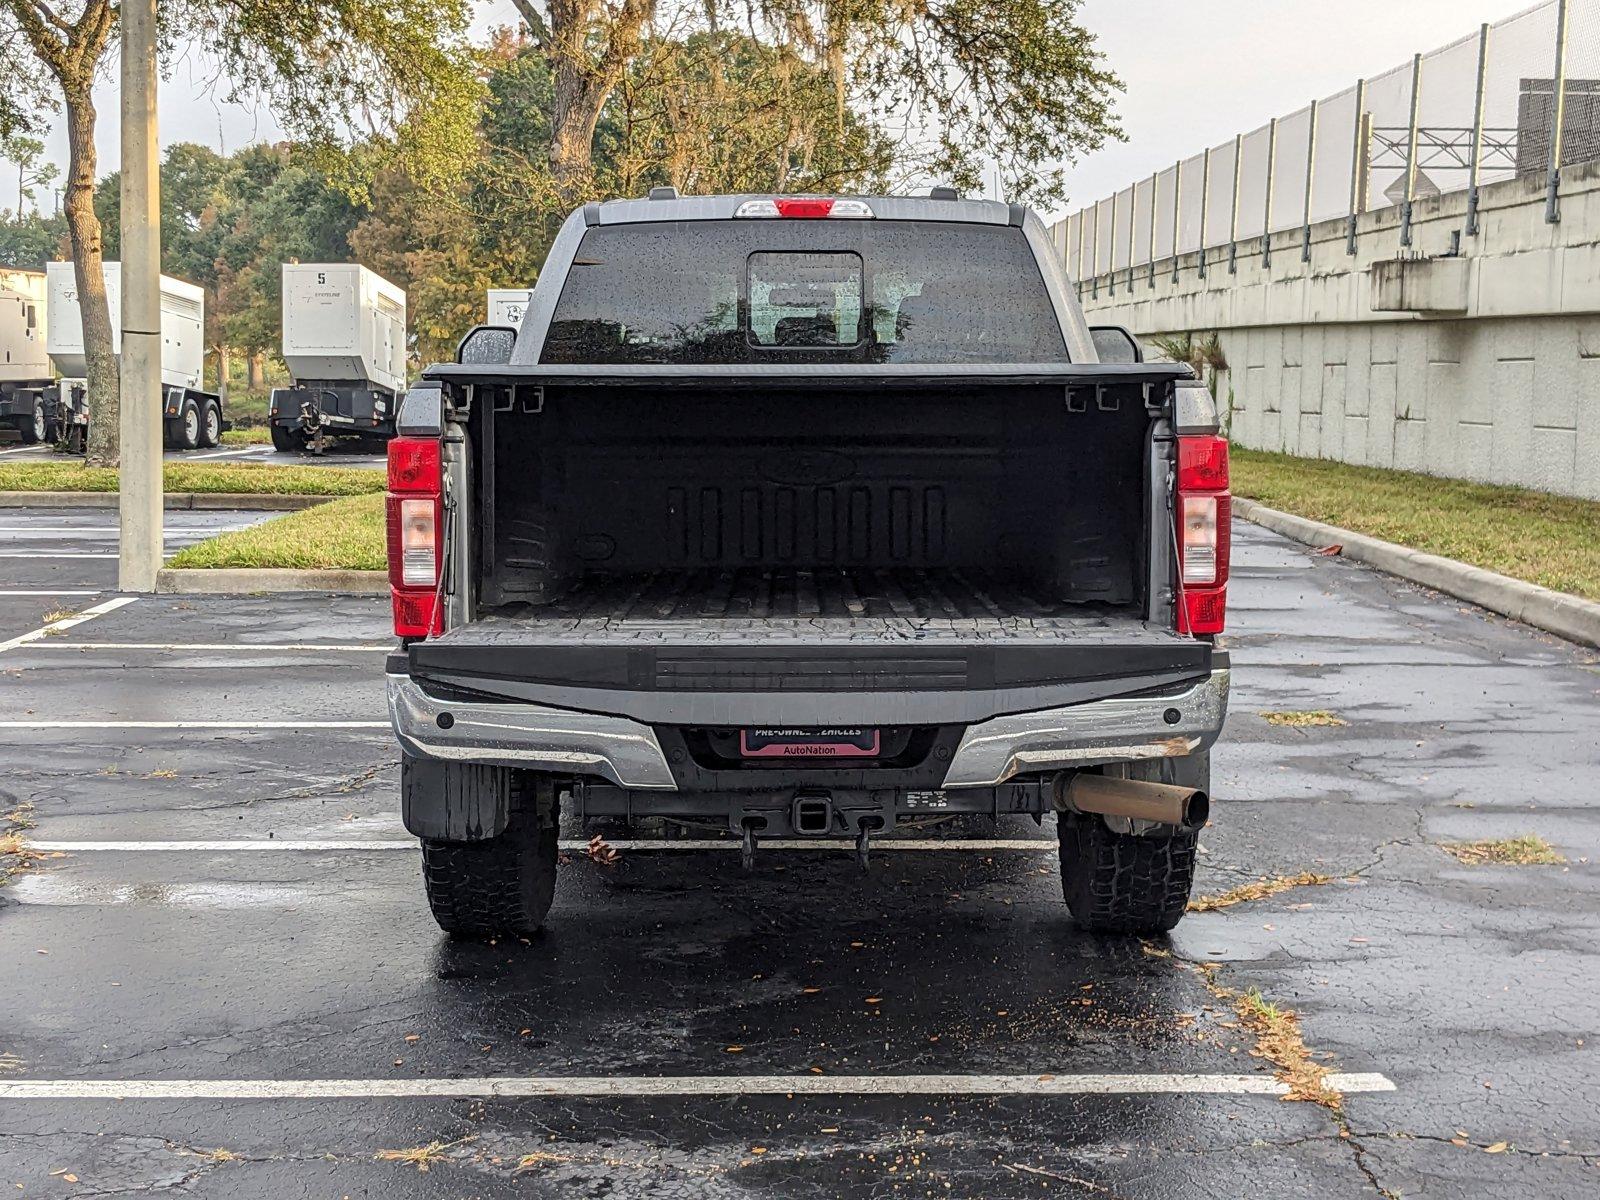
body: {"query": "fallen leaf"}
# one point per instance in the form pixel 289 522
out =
pixel 1497 1148
pixel 70 1177
pixel 733 1050
pixel 1332 551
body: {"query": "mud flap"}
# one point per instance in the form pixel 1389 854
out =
pixel 454 802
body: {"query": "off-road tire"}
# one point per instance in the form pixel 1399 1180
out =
pixel 1131 883
pixel 496 887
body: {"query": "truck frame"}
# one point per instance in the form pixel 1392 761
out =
pixel 879 541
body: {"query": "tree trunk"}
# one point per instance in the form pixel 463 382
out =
pixel 224 365
pixel 583 77
pixel 104 378
pixel 256 378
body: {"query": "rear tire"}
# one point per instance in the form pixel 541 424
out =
pixel 211 426
pixel 35 428
pixel 287 441
pixel 499 886
pixel 1131 883
pixel 189 427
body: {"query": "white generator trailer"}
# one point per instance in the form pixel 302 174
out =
pixel 507 306
pixel 26 380
pixel 344 342
pixel 191 418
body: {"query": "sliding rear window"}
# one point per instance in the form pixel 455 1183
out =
pixel 797 291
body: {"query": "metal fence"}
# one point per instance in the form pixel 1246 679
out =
pixel 1521 97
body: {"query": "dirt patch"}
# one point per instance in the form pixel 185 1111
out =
pixel 1529 850
pixel 1259 890
pixel 1319 718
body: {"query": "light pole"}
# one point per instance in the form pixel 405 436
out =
pixel 139 505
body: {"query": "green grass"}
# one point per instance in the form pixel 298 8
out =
pixel 1544 539
pixel 259 479
pixel 345 534
pixel 248 408
pixel 252 435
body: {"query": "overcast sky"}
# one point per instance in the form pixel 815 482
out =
pixel 1196 71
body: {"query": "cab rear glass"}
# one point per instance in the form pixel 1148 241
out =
pixel 804 291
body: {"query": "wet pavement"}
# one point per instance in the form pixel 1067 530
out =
pixel 339 454
pixel 980 1045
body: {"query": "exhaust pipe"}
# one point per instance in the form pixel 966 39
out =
pixel 1165 803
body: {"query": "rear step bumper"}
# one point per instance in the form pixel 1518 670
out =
pixel 1169 723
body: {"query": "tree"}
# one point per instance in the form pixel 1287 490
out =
pixel 33 170
pixel 1016 82
pixel 319 63
pixel 31 241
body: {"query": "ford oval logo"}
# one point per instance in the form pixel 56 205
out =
pixel 817 468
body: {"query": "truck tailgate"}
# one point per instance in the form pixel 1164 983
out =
pixel 875 647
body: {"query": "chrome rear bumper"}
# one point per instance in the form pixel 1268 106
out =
pixel 627 753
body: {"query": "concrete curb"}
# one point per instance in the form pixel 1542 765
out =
pixel 205 581
pixel 184 500
pixel 1568 616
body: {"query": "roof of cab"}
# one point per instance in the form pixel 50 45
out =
pixel 723 208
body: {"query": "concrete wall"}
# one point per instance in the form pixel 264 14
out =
pixel 1500 382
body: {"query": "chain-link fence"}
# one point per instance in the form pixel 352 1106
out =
pixel 1520 97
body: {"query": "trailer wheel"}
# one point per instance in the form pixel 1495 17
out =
pixel 288 441
pixel 211 426
pixel 1131 883
pixel 34 429
pixel 189 427
pixel 500 885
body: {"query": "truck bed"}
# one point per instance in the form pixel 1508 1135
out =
pixel 709 646
pixel 660 602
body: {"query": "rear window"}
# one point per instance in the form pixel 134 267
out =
pixel 804 291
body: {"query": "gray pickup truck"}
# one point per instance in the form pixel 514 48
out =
pixel 800 517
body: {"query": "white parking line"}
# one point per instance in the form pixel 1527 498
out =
pixel 196 725
pixel 88 614
pixel 102 532
pixel 238 647
pixel 1039 1083
pixel 230 452
pixel 364 845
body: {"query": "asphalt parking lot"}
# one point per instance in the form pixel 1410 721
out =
pixel 223 980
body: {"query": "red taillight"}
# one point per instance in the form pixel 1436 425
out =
pixel 1204 512
pixel 807 206
pixel 1202 464
pixel 416 536
pixel 414 466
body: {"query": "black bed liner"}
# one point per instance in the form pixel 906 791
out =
pixel 602 604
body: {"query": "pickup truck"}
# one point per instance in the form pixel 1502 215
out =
pixel 806 517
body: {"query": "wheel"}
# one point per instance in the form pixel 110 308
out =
pixel 211 426
pixel 288 441
pixel 501 885
pixel 189 427
pixel 1134 882
pixel 34 430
